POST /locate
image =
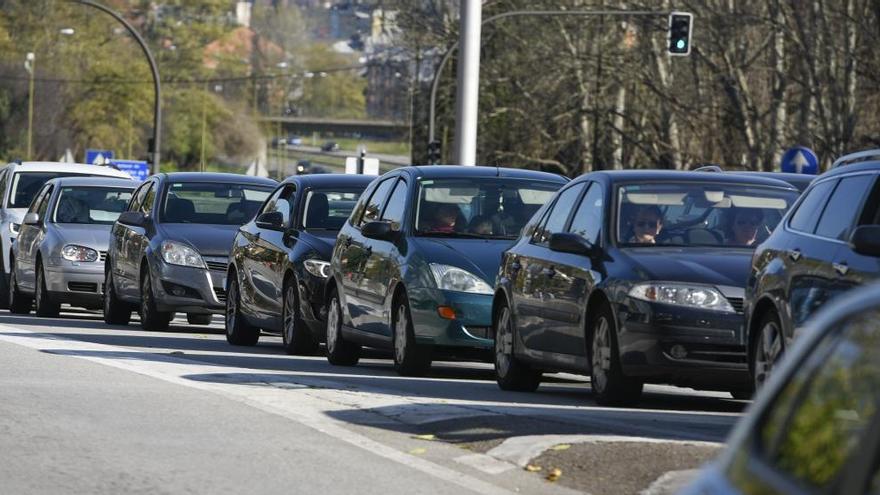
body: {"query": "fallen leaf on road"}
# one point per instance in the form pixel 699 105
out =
pixel 418 451
pixel 561 446
pixel 533 468
pixel 425 437
pixel 554 474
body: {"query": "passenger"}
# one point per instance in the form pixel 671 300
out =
pixel 647 222
pixel 481 225
pixel 742 226
pixel 445 218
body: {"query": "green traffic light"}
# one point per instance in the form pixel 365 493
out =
pixel 680 44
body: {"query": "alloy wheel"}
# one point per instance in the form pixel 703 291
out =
pixel 400 336
pixel 767 352
pixel 503 343
pixel 332 324
pixel 289 314
pixel 231 307
pixel 601 358
pixel 39 296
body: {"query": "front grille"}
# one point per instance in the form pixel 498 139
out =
pixel 216 265
pixel 220 292
pixel 737 303
pixel 102 255
pixel 82 286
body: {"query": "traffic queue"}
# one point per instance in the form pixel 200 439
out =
pixel 699 279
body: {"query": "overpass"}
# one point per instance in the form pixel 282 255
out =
pixel 384 129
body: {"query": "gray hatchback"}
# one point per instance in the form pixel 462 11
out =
pixel 59 254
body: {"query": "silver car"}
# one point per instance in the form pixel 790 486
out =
pixel 61 246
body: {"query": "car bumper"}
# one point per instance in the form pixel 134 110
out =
pixel 78 284
pixel 471 328
pixel 683 346
pixel 187 289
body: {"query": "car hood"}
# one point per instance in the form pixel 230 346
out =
pixel 95 236
pixel 482 257
pixel 209 240
pixel 715 266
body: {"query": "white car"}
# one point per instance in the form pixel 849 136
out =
pixel 19 182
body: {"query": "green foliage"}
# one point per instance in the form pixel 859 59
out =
pixel 337 94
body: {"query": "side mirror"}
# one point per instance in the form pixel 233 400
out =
pixel 134 218
pixel 565 242
pixel 271 220
pixel 32 218
pixel 379 230
pixel 866 240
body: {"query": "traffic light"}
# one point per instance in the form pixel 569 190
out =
pixel 434 152
pixel 680 33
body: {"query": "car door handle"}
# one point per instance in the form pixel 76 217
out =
pixel 549 272
pixel 841 268
pixel 794 254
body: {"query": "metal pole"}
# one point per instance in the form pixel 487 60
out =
pixel 467 100
pixel 204 128
pixel 157 85
pixel 435 83
pixel 32 70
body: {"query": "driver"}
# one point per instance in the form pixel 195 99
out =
pixel 647 222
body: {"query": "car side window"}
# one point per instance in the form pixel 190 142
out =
pixel 282 202
pixel 374 205
pixel 842 210
pixel 815 425
pixel 395 207
pixel 44 203
pixel 4 175
pixel 149 198
pixel 587 221
pixel 870 214
pixel 138 197
pixel 806 216
pixel 558 215
pixel 38 200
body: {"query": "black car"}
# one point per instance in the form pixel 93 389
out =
pixel 634 277
pixel 330 146
pixel 800 181
pixel 828 243
pixel 814 427
pixel 413 267
pixel 169 250
pixel 279 261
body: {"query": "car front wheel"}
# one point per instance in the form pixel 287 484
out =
pixel 768 348
pixel 339 351
pixel 43 303
pixel 510 372
pixel 238 331
pixel 610 386
pixel 295 336
pixel 410 358
pixel 151 318
pixel 116 311
pixel 19 303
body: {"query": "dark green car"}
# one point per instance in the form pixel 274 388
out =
pixel 414 267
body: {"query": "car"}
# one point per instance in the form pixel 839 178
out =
pixel 633 277
pixel 169 249
pixel 828 244
pixel 813 428
pixel 305 167
pixel 413 267
pixel 330 146
pixel 19 182
pixel 294 140
pixel 279 262
pixel 799 181
pixel 59 254
pixel 278 142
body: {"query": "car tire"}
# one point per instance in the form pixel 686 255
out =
pixel 238 331
pixel 295 335
pixel 610 386
pixel 116 311
pixel 19 303
pixel 4 290
pixel 340 352
pixel 511 373
pixel 410 358
pixel 43 303
pixel 199 319
pixel 768 347
pixel 151 318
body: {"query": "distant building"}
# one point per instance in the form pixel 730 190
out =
pixel 389 69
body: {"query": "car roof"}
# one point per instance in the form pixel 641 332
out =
pixel 218 177
pixel 869 166
pixel 95 182
pixel 330 180
pixel 75 168
pixel 650 175
pixel 457 171
pixel 800 181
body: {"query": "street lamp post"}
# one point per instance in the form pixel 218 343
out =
pixel 157 86
pixel 29 65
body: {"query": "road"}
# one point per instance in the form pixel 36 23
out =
pixel 90 408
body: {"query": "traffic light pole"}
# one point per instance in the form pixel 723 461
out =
pixel 516 13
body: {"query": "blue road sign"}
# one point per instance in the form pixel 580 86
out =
pixel 137 169
pixel 98 157
pixel 800 160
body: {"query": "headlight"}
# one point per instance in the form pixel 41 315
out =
pixel 692 296
pixel 73 252
pixel 14 228
pixel 456 279
pixel 175 253
pixel 318 268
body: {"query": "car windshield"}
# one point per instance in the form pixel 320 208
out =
pixel 212 203
pixel 25 186
pixel 493 207
pixel 699 214
pixel 91 205
pixel 328 209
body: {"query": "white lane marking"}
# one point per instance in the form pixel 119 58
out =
pixel 671 482
pixel 174 370
pixel 521 450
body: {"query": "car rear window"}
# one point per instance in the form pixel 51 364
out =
pixel 25 186
pixel 213 203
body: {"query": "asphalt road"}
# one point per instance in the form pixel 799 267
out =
pixel 89 408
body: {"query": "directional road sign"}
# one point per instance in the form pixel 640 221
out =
pixel 137 169
pixel 98 157
pixel 800 160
